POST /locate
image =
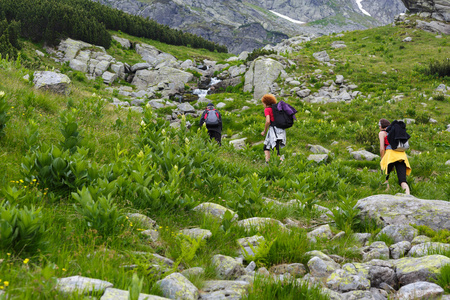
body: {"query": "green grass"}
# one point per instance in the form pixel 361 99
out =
pixel 163 173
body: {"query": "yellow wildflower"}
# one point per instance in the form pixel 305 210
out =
pixel 6 283
pixel 26 260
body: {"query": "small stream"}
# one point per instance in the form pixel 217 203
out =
pixel 203 93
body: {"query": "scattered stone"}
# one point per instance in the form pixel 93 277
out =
pixel 295 269
pixel 223 289
pixel 176 286
pixel 82 285
pixel 377 250
pixel 197 233
pixel 428 248
pixel 321 268
pixel 195 272
pixel 227 267
pixel 344 281
pixel 364 155
pixel 321 56
pixel 410 270
pixel 215 210
pixel 407 39
pixel 318 158
pixel 318 149
pixel 420 239
pixel 116 294
pixel 399 250
pixel 238 144
pixel 419 290
pixel 258 223
pixel 399 233
pixel 322 232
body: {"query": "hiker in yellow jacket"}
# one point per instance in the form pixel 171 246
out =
pixel 391 158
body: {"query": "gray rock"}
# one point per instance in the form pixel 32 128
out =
pixel 197 233
pixel 238 144
pixel 227 267
pixel 434 26
pixel 142 220
pixel 344 281
pixel 322 232
pixel 139 66
pixel 381 273
pixel 364 155
pixel 51 81
pixel 176 286
pixel 303 93
pixel 78 65
pixel 137 102
pixel 260 76
pixel 253 240
pixel 377 250
pixel 405 210
pixel 428 248
pixel 224 289
pixel 186 108
pixel 221 105
pixel 251 267
pixel 420 240
pixel 399 233
pixel 318 158
pixel 81 285
pixel 339 79
pixel 317 149
pixel 400 249
pixel 338 45
pixel 321 56
pixel 116 294
pixel 407 39
pixel 109 78
pixel 419 290
pixel 214 210
pixel 295 269
pixel 258 223
pixel 151 234
pixel 322 268
pixel 410 270
pixel 362 237
pixel 126 44
pixel 358 295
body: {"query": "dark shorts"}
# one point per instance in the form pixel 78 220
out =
pixel 400 168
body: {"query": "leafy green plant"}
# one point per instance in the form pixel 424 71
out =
pixel 4 114
pixel 69 129
pixel 438 68
pixel 21 229
pixel 248 202
pixel 32 138
pixel 100 214
pixel 135 287
pixel 345 215
pixel 260 252
pixel 188 248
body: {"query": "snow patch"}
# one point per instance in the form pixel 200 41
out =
pixel 361 8
pixel 287 18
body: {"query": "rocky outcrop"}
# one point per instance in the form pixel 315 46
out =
pixel 261 75
pixel 439 9
pixel 405 210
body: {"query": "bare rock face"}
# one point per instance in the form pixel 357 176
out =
pixel 405 210
pixel 51 81
pixel 440 9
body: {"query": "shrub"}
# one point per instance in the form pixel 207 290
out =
pixel 443 278
pixel 259 52
pixel 437 68
pixel 100 214
pixel 21 229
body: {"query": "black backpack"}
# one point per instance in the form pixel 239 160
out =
pixel 282 118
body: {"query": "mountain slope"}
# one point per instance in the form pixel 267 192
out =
pixel 246 25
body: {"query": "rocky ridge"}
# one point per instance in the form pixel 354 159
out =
pixel 248 25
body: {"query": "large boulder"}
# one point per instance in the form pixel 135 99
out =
pixel 81 285
pixel 440 9
pixel 399 233
pixel 51 81
pixel 405 210
pixel 166 78
pixel 215 210
pixel 410 270
pixel 261 75
pixel 420 290
pixel 227 267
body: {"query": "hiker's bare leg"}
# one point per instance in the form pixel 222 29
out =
pixel 387 185
pixel 405 186
pixel 267 155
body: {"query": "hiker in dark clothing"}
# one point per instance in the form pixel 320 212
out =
pixel 212 118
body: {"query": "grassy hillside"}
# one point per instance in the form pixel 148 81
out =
pixel 63 208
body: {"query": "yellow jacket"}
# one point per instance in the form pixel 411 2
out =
pixel 392 156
